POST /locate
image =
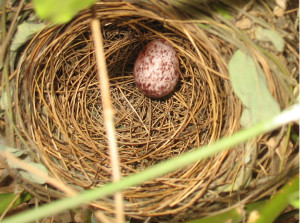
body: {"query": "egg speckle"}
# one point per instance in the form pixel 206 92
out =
pixel 156 70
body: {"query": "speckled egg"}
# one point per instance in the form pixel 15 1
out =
pixel 156 70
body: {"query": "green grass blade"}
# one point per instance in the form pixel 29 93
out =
pixel 233 216
pixel 7 198
pixel 292 114
pixel 273 208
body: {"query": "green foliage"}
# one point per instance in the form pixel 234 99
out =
pixel 4 101
pixel 222 11
pixel 58 11
pixel 232 216
pixel 31 177
pixel 295 138
pixel 262 211
pixel 18 153
pixel 273 208
pixel 294 200
pixel 250 85
pixel 7 198
pixel 24 33
pixel 270 35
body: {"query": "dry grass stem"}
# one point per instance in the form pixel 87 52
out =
pixel 108 112
pixel 5 43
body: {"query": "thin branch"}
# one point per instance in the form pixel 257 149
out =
pixel 5 43
pixel 108 113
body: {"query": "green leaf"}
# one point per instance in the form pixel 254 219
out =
pixel 250 85
pixel 272 209
pixel 295 203
pixel 270 35
pixel 7 198
pixel 59 11
pixel 295 138
pixel 294 200
pixel 222 11
pixel 233 216
pixel 33 178
pixel 5 148
pixel 257 205
pixel 18 152
pixel 24 33
pixel 203 25
pixel 4 101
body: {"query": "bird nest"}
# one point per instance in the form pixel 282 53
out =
pixel 59 110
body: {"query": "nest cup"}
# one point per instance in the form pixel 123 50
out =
pixel 60 113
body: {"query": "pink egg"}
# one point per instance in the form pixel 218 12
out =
pixel 156 70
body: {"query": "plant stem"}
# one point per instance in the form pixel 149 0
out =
pixel 276 204
pixel 108 113
pixel 6 91
pixel 233 216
